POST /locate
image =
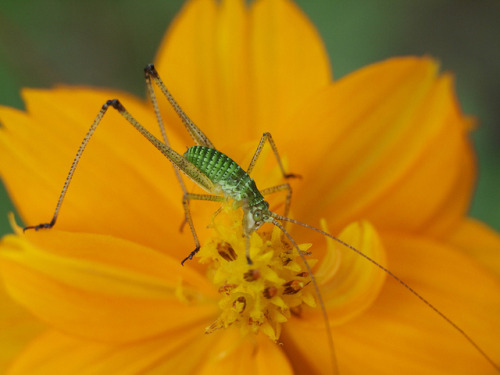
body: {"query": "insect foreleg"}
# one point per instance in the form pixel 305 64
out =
pixel 269 138
pixel 198 136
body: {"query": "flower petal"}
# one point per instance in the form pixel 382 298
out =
pixel 402 334
pixel 17 328
pixel 289 60
pixel 305 344
pixel 388 136
pixel 480 242
pixel 179 353
pixel 235 71
pixel 123 186
pixel 351 287
pixel 252 355
pixel 93 286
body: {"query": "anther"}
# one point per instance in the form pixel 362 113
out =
pixel 252 275
pixel 292 287
pixel 240 304
pixel 226 288
pixel 226 251
pixel 270 292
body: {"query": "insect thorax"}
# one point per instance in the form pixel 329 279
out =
pixel 226 173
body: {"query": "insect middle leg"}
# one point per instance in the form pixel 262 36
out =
pixel 283 187
pixel 267 137
pixel 187 212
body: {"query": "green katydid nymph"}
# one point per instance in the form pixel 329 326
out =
pixel 222 178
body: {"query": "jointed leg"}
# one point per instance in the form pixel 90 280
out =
pixel 269 138
pixel 187 212
pixel 174 157
pixel 148 71
pixel 198 136
pixel 150 75
pixel 75 164
pixel 278 188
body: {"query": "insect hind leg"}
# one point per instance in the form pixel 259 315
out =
pixel 173 156
pixel 110 103
pixel 151 76
pixel 198 136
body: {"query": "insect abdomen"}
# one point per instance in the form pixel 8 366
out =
pixel 225 172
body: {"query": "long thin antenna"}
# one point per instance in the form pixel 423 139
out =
pixel 448 320
pixel 331 346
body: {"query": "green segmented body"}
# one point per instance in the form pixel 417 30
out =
pixel 226 173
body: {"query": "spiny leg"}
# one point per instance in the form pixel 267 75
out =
pixel 64 190
pixel 177 160
pixel 269 138
pixel 154 101
pixel 148 72
pixel 151 75
pixel 275 189
pixel 198 136
pixel 187 212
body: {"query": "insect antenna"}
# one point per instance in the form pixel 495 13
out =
pixel 331 346
pixel 388 272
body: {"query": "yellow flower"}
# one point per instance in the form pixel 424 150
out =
pixel 385 160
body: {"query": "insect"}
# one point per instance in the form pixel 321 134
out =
pixel 223 178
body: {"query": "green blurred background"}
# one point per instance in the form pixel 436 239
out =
pixel 108 42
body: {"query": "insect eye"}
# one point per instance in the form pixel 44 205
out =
pixel 257 215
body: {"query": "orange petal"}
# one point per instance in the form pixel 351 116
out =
pixel 350 287
pixel 305 344
pixel 385 137
pixel 101 287
pixel 402 334
pixel 480 242
pixel 179 353
pixel 235 71
pixel 123 186
pixel 17 328
pixel 252 355
pixel 289 62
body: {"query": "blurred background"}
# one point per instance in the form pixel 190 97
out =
pixel 107 43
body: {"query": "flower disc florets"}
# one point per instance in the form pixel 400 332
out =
pixel 258 296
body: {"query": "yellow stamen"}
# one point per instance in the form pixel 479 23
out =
pixel 258 296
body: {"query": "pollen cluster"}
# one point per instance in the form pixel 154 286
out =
pixel 258 296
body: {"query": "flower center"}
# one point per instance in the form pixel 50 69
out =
pixel 258 296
